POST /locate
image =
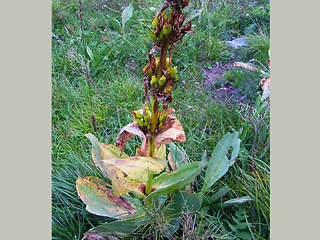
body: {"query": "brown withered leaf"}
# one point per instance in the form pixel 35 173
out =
pixel 171 162
pixel 172 131
pixel 135 113
pixel 128 132
pixel 246 66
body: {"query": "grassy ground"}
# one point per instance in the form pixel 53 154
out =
pixel 92 78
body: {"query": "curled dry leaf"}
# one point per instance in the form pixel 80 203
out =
pixel 265 85
pixel 128 132
pixel 247 66
pixel 171 162
pixel 172 131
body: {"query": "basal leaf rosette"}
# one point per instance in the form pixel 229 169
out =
pixel 127 174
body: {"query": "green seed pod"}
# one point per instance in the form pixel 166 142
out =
pixel 167 89
pixel 148 127
pixel 161 125
pixel 161 118
pixel 167 115
pixel 145 124
pixel 176 79
pixel 138 115
pixel 157 62
pixel 161 35
pixel 169 70
pixel 155 23
pixel 167 63
pixel 140 122
pixel 162 81
pixel 164 16
pixel 152 35
pixel 167 28
pixel 174 71
pixel 153 80
pixel 145 118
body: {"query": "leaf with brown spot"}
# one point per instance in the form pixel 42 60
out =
pixel 137 168
pixel 101 201
pixel 121 182
pixel 128 132
pixel 172 131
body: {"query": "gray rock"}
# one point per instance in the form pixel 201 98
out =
pixel 238 42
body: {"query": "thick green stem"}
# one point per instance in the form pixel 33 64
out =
pixel 153 125
pixel 149 183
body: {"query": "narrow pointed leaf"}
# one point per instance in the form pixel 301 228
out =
pixel 232 202
pixel 167 183
pixel 219 163
pixel 123 226
pixel 100 200
pixel 90 53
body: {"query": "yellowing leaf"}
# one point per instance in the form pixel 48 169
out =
pixel 100 200
pixel 137 168
pixel 103 151
pixel 121 182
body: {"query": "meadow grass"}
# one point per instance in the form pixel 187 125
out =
pixel 107 84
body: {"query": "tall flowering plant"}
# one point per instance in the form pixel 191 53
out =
pixel 151 175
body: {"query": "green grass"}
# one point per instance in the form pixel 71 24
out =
pixel 110 86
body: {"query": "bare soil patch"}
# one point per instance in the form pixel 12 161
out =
pixel 220 89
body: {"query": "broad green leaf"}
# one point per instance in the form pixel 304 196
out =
pixel 167 183
pixel 219 163
pixel 137 167
pixel 100 200
pixel 90 53
pixel 126 14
